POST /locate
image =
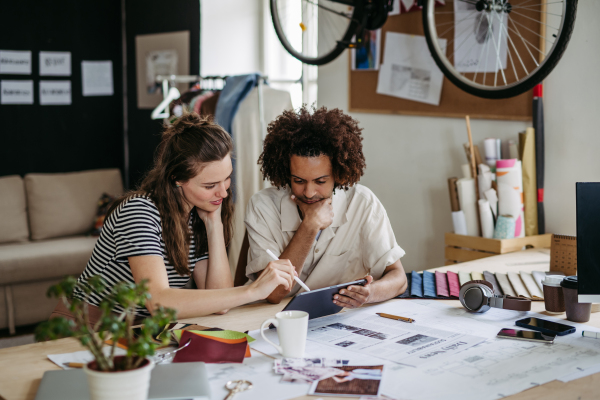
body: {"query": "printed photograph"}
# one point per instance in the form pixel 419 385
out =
pixel 353 381
pixel 417 340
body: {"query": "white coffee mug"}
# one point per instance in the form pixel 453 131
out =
pixel 292 327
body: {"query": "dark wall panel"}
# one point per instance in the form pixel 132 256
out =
pixel 88 133
pixel 147 17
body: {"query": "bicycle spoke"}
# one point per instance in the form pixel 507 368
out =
pixel 533 7
pixel 525 42
pixel 517 53
pixel 540 22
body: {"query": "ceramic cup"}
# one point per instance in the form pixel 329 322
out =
pixel 292 327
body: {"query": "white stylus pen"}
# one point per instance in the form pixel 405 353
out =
pixel 274 257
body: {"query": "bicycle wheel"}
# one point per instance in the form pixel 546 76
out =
pixel 315 31
pixel 498 48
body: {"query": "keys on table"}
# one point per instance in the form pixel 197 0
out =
pixel 235 387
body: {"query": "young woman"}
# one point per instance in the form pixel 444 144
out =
pixel 176 227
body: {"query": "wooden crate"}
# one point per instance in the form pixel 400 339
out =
pixel 461 248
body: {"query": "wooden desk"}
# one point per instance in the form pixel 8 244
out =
pixel 22 367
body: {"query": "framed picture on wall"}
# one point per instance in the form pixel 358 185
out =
pixel 160 54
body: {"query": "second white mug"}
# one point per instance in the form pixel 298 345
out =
pixel 292 327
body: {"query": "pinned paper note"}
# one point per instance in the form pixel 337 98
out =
pixel 55 63
pixel 97 78
pixel 408 70
pixel 15 62
pixel 16 92
pixel 55 93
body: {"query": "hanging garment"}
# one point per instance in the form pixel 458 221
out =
pixel 209 105
pixel 197 102
pixel 235 91
pixel 248 145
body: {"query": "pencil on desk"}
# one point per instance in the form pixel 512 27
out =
pixel 397 318
pixel 73 365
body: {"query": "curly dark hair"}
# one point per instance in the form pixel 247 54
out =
pixel 322 132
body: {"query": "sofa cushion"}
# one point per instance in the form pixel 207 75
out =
pixel 13 210
pixel 47 259
pixel 66 204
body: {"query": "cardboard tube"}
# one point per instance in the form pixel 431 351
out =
pixel 454 204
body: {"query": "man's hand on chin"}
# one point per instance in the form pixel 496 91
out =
pixel 317 215
pixel 354 296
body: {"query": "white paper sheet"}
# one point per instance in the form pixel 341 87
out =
pixel 55 93
pixel 15 62
pixel 16 92
pixel 97 78
pixel 408 70
pixel 55 63
pixel 479 38
pixel 257 369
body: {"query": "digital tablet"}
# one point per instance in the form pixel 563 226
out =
pixel 318 303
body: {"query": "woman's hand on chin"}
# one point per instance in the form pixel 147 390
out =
pixel 211 218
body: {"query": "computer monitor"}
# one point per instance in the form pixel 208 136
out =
pixel 588 241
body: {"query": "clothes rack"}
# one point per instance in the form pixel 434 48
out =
pixel 169 81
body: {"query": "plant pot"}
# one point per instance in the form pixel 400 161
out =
pixel 119 385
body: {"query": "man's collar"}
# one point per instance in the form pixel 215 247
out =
pixel 290 217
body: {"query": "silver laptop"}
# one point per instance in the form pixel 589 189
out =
pixel 178 381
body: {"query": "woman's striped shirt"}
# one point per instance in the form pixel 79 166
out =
pixel 133 229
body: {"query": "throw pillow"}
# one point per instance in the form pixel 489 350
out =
pixel 103 205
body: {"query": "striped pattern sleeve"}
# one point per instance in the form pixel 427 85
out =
pixel 137 230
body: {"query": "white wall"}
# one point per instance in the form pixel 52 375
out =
pixel 410 158
pixel 231 33
pixel 572 120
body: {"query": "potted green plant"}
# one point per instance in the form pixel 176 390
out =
pixel 110 376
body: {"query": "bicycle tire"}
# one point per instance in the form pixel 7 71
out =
pixel 537 76
pixel 326 58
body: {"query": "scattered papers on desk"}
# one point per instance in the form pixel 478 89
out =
pixel 408 70
pixel 498 367
pixel 490 370
pixel 259 370
pixel 84 357
pixel 411 344
pixel 307 370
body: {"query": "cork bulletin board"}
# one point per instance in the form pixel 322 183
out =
pixel 454 102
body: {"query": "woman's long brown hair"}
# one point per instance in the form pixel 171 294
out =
pixel 186 146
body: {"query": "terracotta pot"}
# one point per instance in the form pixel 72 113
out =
pixel 119 385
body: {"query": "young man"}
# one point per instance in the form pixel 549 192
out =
pixel 332 229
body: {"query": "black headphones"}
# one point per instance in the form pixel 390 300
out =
pixel 478 297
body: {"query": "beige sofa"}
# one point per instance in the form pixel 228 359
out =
pixel 44 221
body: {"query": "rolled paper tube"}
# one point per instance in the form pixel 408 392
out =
pixel 492 197
pixel 454 204
pixel 489 148
pixel 509 173
pixel 466 171
pixel 499 149
pixel 478 159
pixel 487 220
pixel 484 177
pixel 505 227
pixel 460 223
pixel 513 151
pixel 468 204
pixel 527 151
